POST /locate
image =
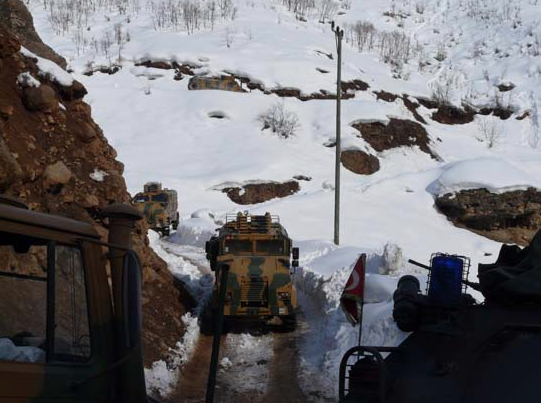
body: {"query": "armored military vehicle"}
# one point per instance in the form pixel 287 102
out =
pixel 258 251
pixel 66 335
pixel 223 83
pixel 460 351
pixel 159 206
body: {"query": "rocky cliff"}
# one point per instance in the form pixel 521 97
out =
pixel 510 217
pixel 57 160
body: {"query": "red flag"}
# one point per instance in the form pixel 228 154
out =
pixel 353 295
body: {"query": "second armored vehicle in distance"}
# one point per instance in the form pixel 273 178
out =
pixel 258 251
pixel 159 206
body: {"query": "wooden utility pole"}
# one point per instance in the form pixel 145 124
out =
pixel 339 35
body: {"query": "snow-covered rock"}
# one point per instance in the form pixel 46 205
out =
pixel 494 174
pixel 196 230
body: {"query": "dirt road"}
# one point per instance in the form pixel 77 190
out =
pixel 260 369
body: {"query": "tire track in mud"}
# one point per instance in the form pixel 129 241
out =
pixel 258 369
pixel 283 385
pixel 192 384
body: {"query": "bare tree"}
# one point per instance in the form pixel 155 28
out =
pixel 282 122
pixel 490 131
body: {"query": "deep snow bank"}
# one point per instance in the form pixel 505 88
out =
pixel 320 282
pixel 196 230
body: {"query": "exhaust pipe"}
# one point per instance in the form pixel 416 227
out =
pixel 122 219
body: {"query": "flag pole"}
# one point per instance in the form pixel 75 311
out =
pixel 363 257
pixel 360 325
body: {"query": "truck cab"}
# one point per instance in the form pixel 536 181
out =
pixel 67 331
pixel 258 251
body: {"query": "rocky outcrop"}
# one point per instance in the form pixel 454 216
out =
pixel 396 133
pixel 49 146
pixel 512 217
pixel 359 162
pixel 15 16
pixel 261 192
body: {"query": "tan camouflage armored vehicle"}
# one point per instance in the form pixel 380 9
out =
pixel 66 334
pixel 258 251
pixel 159 206
pixel 223 83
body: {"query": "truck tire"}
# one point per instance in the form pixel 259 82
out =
pixel 289 322
pixel 207 321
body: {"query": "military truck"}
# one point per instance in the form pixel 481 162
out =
pixel 223 83
pixel 258 251
pixel 67 333
pixel 159 206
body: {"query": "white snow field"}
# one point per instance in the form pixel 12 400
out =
pixel 477 53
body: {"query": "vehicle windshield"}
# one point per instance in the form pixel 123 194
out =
pixel 271 247
pixel 237 246
pixel 140 199
pixel 162 198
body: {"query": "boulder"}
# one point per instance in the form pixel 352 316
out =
pixel 10 169
pixel 56 174
pixel 42 98
pixel 359 162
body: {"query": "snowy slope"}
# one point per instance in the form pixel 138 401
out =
pixel 469 52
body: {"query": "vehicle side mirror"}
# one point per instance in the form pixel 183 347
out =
pixel 207 247
pixel 295 262
pixel 131 300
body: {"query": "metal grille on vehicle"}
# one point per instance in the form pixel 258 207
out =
pixel 254 292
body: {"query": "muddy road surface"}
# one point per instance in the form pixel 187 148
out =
pixel 254 368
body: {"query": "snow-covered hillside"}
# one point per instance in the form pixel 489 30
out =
pixel 467 53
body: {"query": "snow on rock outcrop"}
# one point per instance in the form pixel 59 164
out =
pixel 494 174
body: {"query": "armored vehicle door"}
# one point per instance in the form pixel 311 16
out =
pixel 54 327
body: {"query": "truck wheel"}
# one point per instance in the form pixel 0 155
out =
pixel 289 322
pixel 207 321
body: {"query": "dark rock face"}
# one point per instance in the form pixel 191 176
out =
pixel 396 133
pixel 386 96
pixel 451 115
pixel 508 217
pixel 261 192
pixel 47 154
pixel 359 162
pixel 15 16
pixel 354 85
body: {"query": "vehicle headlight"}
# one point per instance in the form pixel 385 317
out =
pixel 284 295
